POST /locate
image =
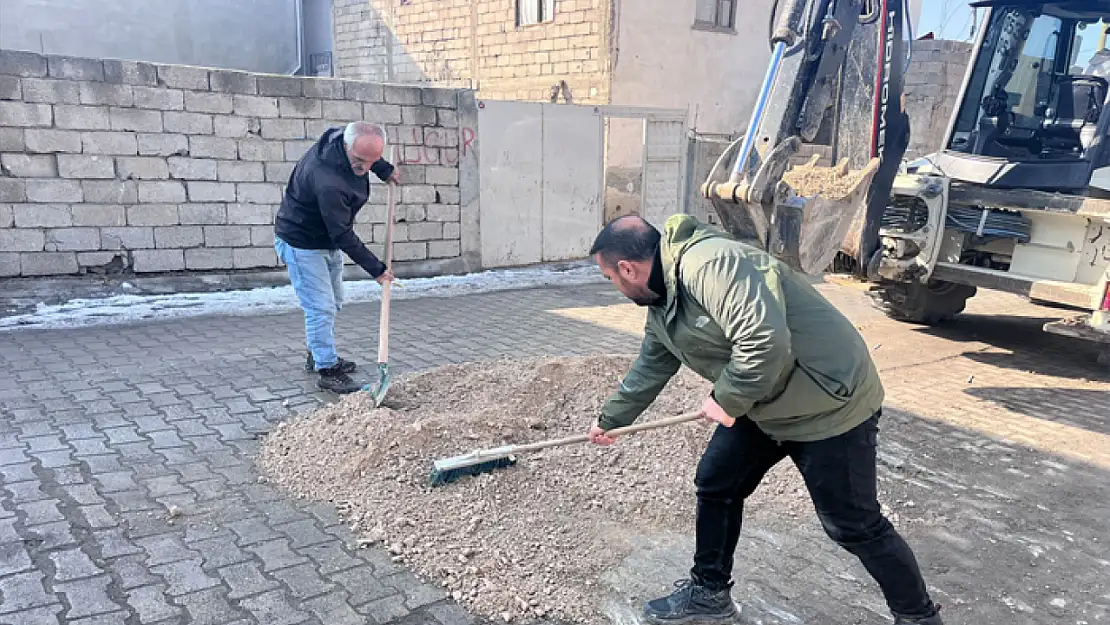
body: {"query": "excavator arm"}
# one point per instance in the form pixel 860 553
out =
pixel 836 72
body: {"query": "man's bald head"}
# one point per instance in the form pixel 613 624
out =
pixel 629 238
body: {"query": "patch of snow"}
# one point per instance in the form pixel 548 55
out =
pixel 122 309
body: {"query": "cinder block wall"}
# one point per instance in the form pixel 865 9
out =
pixel 115 166
pixel 933 82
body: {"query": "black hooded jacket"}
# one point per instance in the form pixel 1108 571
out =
pixel 322 198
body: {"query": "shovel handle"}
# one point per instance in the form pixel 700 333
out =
pixel 383 328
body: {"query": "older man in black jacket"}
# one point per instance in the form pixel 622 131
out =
pixel 327 188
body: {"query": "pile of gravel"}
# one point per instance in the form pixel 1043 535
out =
pixel 523 542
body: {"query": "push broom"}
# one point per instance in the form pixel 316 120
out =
pixel 448 470
pixel 385 378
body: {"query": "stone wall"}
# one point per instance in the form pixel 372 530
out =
pixel 477 43
pixel 118 166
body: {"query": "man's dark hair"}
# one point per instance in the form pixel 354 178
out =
pixel 626 238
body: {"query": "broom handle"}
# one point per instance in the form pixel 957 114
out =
pixel 383 328
pixel 631 429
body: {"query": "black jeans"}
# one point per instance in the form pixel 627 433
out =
pixel 840 475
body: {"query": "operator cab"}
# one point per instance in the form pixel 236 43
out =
pixel 1033 111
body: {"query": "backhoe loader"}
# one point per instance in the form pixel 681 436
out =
pixel 1016 199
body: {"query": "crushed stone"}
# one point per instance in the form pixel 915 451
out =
pixel 524 542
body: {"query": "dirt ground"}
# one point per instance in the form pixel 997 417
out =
pixel 523 542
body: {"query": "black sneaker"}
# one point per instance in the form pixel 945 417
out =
pixel 933 619
pixel 346 366
pixel 691 602
pixel 336 380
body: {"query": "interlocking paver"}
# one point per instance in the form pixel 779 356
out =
pixel 87 597
pixel 95 450
pixel 71 564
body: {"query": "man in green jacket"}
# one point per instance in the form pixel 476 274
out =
pixel 791 377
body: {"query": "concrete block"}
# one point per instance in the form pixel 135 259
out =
pixel 72 239
pixel 261 150
pixel 452 231
pixel 236 127
pixel 211 191
pixel 418 116
pixel 110 191
pixel 254 106
pixel 363 91
pixel 252 257
pixel 164 145
pixel 439 98
pixel 183 168
pixel 169 192
pixel 22 240
pixel 447 119
pixel 206 258
pixel 315 128
pixel 130 73
pixel 159 99
pixel 441 138
pixel 135 119
pixel 178 236
pixel 204 102
pixel 442 212
pixel 152 215
pixel 25 115
pixel 425 231
pixel 258 193
pixel 342 109
pixel 9 264
pixel 396 94
pixel 97 261
pixel 418 194
pixel 239 171
pixel 99 215
pixel 443 249
pixel 250 214
pixel 50 141
pixel 11 88
pixel 409 214
pixel 279 172
pixel 382 113
pixel 12 140
pixel 261 236
pixel 104 94
pixel 448 195
pixel 229 81
pixel 12 190
pixel 409 250
pixel 7 216
pixel 323 88
pixel 279 86
pixel 407 135
pixel 51 191
pixel 283 129
pixel 227 236
pixel 213 147
pixel 75 117
pixel 202 214
pixel 300 107
pixel 246 214
pixel 75 68
pixel 26 64
pixel 187 123
pixel 42 215
pixel 28 165
pixel 153 261
pixel 142 168
pixel 49 91
pixel 441 175
pixel 108 142
pixel 48 263
pixel 294 150
pixel 127 238
pixel 86 166
pixel 182 77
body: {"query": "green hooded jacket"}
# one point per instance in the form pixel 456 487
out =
pixel 775 349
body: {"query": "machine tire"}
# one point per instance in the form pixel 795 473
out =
pixel 926 304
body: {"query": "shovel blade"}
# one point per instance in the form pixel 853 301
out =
pixel 379 390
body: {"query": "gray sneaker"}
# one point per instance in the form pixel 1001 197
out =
pixel 691 602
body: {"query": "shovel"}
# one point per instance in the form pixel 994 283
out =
pixel 385 378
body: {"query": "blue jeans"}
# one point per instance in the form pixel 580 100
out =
pixel 317 278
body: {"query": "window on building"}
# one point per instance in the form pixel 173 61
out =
pixel 715 14
pixel 534 11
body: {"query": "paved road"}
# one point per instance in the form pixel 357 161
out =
pixel 128 494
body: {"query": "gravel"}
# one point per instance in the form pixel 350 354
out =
pixel 524 542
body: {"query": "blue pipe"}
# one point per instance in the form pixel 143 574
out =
pixel 760 107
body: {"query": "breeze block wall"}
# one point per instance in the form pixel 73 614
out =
pixel 113 166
